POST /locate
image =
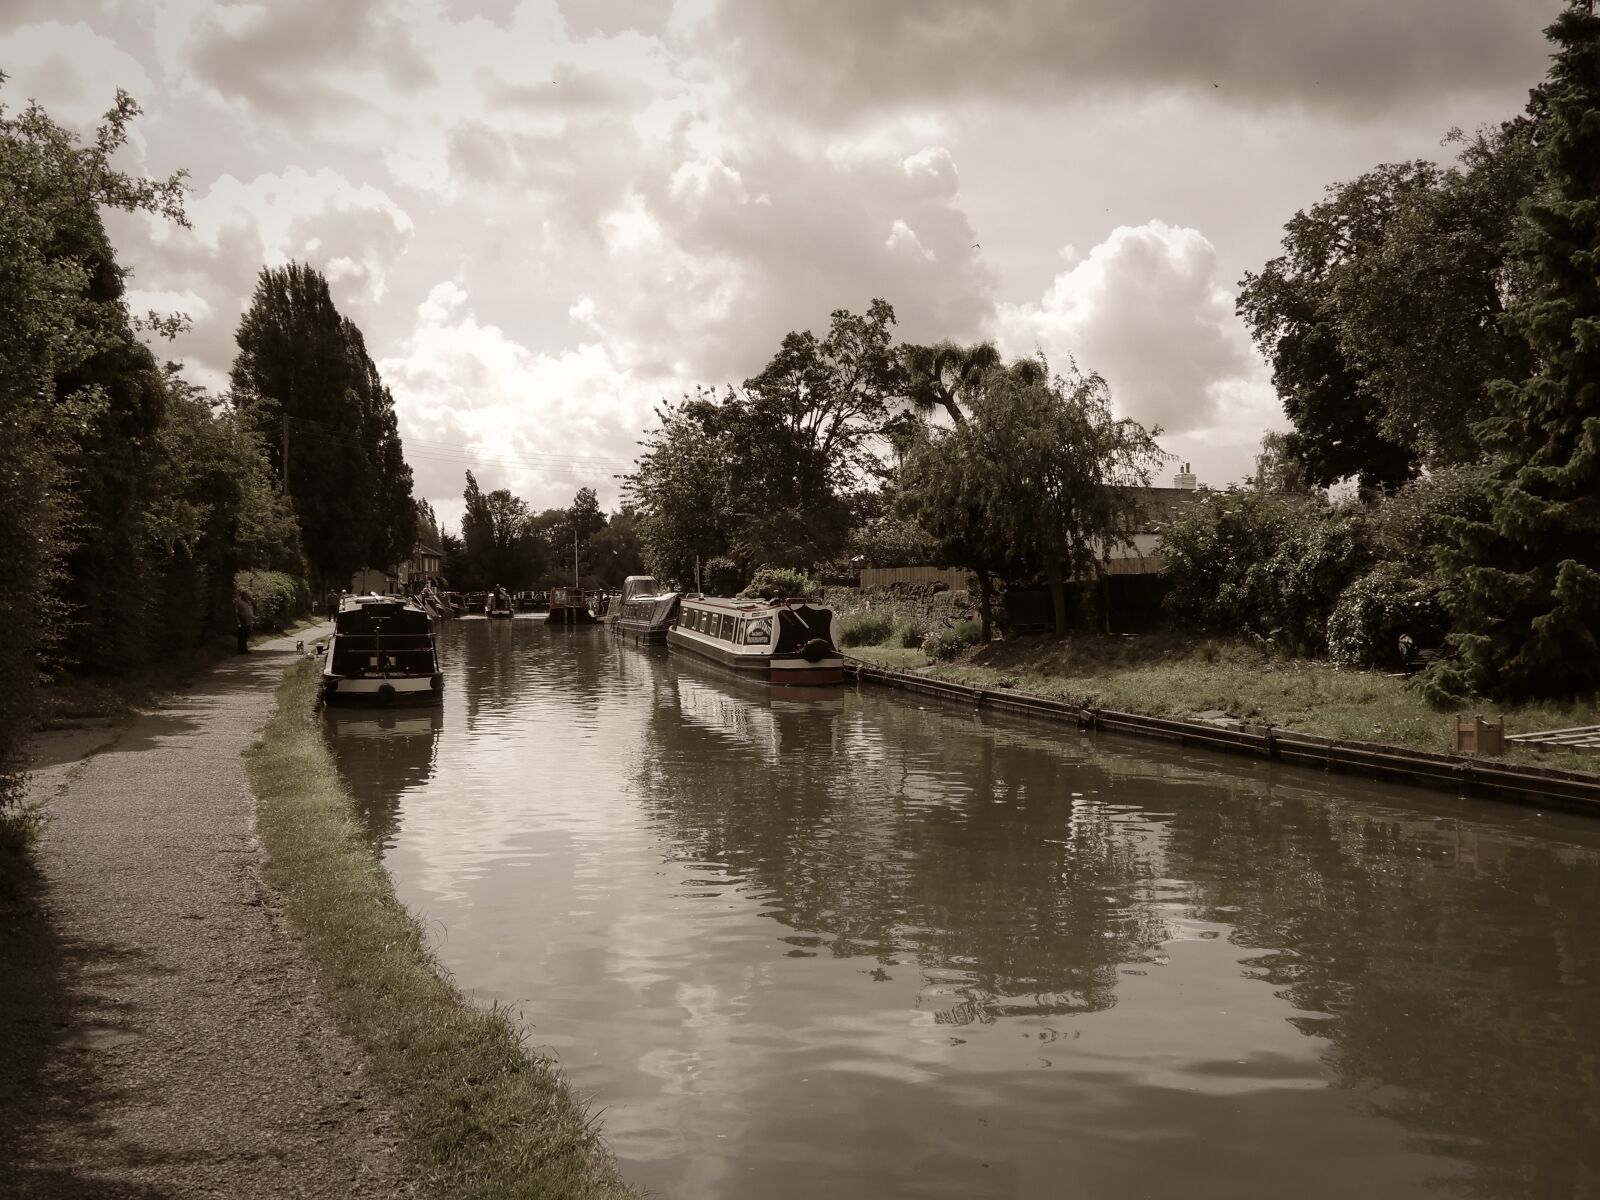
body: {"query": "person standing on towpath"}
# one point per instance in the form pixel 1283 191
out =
pixel 244 612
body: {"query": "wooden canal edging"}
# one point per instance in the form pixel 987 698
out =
pixel 1541 786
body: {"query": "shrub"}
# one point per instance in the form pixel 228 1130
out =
pixel 721 577
pixel 1444 685
pixel 954 641
pixel 865 629
pixel 908 635
pixel 775 583
pixel 1365 626
pixel 1272 566
pixel 278 598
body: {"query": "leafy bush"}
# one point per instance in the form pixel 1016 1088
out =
pixel 908 635
pixel 721 577
pixel 865 629
pixel 775 583
pixel 278 598
pixel 1268 565
pixel 1376 609
pixel 954 641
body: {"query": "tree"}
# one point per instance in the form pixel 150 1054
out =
pixel 499 549
pixel 304 381
pixel 945 375
pixel 1528 596
pixel 771 473
pixel 614 552
pixel 945 489
pixel 1291 308
pixel 1058 472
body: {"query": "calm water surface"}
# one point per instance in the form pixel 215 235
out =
pixel 851 947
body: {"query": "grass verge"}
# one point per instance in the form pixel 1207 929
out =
pixel 483 1117
pixel 1166 674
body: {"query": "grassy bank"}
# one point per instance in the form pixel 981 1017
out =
pixel 483 1117
pixel 1177 675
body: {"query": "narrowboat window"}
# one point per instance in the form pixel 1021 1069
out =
pixel 758 633
pixel 719 628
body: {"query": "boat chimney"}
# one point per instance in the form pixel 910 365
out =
pixel 1184 480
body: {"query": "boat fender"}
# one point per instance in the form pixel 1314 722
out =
pixel 386 693
pixel 816 650
pixel 437 682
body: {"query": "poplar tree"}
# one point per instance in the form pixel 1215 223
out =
pixel 1527 601
pixel 304 381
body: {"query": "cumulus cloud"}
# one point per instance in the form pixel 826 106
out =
pixel 1146 309
pixel 1362 56
pixel 70 69
pixel 472 397
pixel 353 233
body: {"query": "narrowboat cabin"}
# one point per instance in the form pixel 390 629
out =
pixel 570 606
pixel 645 611
pixel 787 642
pixel 382 653
pixel 499 604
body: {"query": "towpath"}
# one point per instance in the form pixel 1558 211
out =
pixel 160 1031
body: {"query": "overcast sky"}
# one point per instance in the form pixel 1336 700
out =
pixel 548 215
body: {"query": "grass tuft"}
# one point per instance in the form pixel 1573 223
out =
pixel 484 1117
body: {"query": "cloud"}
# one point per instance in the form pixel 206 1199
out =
pixel 472 397
pixel 1145 308
pixel 352 233
pixel 836 60
pixel 281 56
pixel 70 69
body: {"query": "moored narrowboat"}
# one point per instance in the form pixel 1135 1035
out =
pixel 787 642
pixel 570 606
pixel 645 611
pixel 382 652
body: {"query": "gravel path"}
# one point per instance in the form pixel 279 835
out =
pixel 160 1031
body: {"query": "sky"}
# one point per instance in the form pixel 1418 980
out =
pixel 550 216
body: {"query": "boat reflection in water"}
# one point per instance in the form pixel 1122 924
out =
pixel 381 755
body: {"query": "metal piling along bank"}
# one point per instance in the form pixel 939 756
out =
pixel 1540 786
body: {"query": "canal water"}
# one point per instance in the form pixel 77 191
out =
pixel 853 947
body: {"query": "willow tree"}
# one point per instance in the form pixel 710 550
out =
pixel 1528 598
pixel 1061 471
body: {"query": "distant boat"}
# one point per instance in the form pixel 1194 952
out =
pixel 382 652
pixel 789 642
pixel 570 606
pixel 499 605
pixel 645 611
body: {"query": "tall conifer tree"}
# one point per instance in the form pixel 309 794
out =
pixel 304 379
pixel 1528 597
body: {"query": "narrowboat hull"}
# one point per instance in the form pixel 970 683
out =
pixel 395 691
pixel 784 670
pixel 643 631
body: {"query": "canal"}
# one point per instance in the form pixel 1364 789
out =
pixel 851 947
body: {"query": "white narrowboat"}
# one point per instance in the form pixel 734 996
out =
pixel 382 653
pixel 787 642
